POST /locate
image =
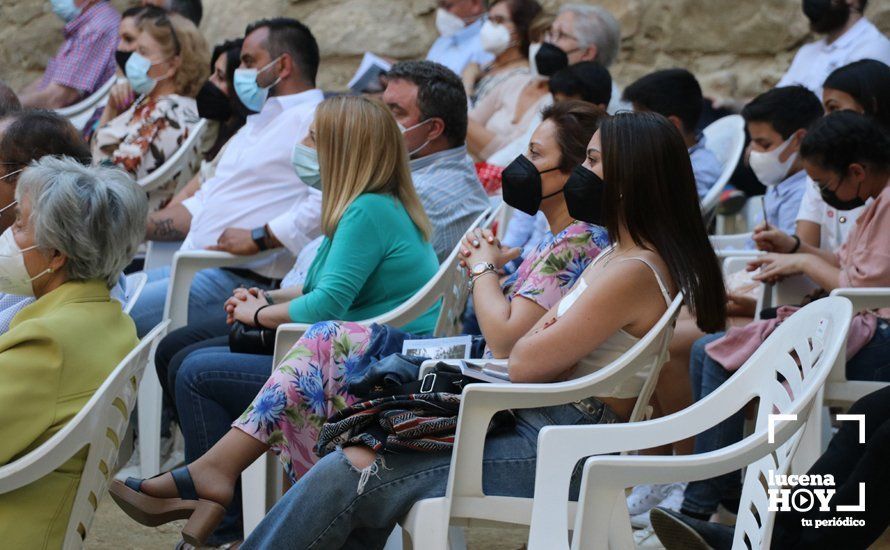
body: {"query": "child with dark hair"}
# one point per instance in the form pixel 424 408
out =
pixel 777 122
pixel 676 95
pixel 588 81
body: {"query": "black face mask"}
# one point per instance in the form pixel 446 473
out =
pixel 521 184
pixel 825 15
pixel 831 199
pixel 550 59
pixel 122 58
pixel 584 196
pixel 213 104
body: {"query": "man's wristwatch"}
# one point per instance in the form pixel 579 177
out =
pixel 259 237
pixel 479 270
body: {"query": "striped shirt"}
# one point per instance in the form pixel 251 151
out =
pixel 451 195
pixel 85 61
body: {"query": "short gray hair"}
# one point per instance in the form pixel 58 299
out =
pixel 596 26
pixel 95 216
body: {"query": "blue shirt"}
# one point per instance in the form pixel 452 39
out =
pixel 783 203
pixel 451 195
pixel 460 49
pixel 705 167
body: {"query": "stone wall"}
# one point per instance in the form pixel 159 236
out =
pixel 737 49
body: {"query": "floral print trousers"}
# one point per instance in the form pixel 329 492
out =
pixel 306 388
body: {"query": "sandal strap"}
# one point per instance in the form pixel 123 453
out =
pixel 134 483
pixel 184 484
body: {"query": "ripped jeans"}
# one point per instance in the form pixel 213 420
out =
pixel 325 509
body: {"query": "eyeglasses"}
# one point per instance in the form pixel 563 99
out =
pixel 553 38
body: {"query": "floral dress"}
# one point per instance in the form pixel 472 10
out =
pixel 142 138
pixel 309 384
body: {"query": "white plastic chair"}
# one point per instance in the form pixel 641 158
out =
pixel 839 391
pixel 261 482
pixel 728 246
pixel 180 167
pixel 816 334
pixel 79 113
pixel 135 284
pixel 100 425
pixel 725 138
pixel 464 503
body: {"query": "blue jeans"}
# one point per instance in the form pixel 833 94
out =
pixel 209 291
pixel 213 388
pixel 324 509
pixel 706 375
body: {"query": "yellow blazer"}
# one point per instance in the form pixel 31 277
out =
pixel 56 354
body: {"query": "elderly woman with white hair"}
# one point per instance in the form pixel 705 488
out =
pixel 75 230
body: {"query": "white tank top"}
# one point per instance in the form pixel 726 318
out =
pixel 617 344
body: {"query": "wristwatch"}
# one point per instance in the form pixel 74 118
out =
pixel 259 237
pixel 479 270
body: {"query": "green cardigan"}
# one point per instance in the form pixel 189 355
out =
pixel 56 354
pixel 376 260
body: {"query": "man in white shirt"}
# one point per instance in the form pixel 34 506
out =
pixel 255 182
pixel 459 23
pixel 849 37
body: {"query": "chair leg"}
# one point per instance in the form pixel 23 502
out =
pixel 254 494
pixel 149 406
pixel 457 539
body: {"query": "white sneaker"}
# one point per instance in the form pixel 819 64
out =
pixel 673 499
pixel 646 497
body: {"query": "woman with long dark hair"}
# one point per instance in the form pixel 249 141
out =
pixel 638 181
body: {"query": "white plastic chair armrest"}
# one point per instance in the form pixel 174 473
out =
pixel 186 264
pixel 286 336
pixel 865 298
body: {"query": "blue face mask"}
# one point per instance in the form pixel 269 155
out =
pixel 65 9
pixel 305 161
pixel 137 68
pixel 249 92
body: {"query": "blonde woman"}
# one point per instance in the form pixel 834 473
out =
pixel 376 254
pixel 165 72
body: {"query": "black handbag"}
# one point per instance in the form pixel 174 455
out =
pixel 255 341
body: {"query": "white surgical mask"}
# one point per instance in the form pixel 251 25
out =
pixel 532 52
pixel 14 277
pixel 447 23
pixel 495 38
pixel 406 130
pixel 767 166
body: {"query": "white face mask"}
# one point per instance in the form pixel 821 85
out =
pixel 14 277
pixel 532 52
pixel 447 23
pixel 767 166
pixel 406 130
pixel 495 38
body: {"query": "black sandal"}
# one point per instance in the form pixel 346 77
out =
pixel 203 515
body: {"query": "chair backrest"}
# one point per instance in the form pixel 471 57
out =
pixel 181 166
pixel 135 284
pixel 786 373
pixel 101 425
pixel 79 113
pixel 725 138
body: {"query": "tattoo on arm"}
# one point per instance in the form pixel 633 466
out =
pixel 164 229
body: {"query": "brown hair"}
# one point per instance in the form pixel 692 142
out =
pixel 522 14
pixel 179 37
pixel 576 122
pixel 650 190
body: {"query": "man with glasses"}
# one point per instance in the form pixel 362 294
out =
pixel 459 23
pixel 588 33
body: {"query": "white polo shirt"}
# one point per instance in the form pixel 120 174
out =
pixel 255 184
pixel 815 61
pixel 834 224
